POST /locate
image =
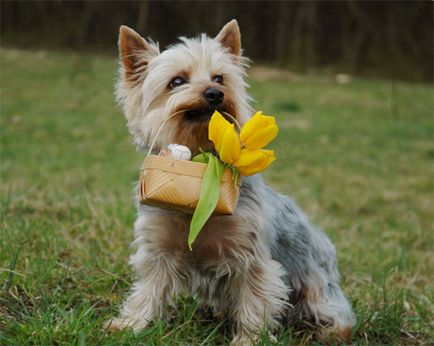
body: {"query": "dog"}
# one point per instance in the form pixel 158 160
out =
pixel 263 265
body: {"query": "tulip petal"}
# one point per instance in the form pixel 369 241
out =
pixel 254 161
pixel 230 147
pixel 216 127
pixel 249 127
pixel 248 157
pixel 259 131
pixel 262 137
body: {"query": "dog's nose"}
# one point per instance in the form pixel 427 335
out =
pixel 213 96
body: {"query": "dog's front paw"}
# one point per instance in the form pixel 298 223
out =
pixel 118 323
pixel 249 339
pixel 242 340
pixel 115 324
pixel 335 334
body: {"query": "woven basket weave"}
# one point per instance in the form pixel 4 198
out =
pixel 176 184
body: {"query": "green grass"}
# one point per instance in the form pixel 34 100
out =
pixel 358 162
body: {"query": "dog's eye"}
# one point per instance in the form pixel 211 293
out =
pixel 177 81
pixel 218 79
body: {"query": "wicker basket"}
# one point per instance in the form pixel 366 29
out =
pixel 176 184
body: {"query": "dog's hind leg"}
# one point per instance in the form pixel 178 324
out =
pixel 309 259
pixel 329 308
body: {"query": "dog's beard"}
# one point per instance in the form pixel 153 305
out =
pixel 191 126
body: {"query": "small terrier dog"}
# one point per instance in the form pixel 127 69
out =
pixel 264 264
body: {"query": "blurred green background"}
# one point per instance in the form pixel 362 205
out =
pixel 355 150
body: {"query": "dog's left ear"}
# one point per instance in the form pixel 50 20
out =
pixel 230 37
pixel 135 53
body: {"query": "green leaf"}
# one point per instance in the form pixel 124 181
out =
pixel 202 158
pixel 209 195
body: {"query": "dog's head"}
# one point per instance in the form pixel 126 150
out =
pixel 189 80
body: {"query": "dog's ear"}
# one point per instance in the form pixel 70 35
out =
pixel 135 53
pixel 230 37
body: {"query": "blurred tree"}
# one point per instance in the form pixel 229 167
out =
pixel 386 38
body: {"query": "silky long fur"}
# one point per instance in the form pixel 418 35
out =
pixel 265 263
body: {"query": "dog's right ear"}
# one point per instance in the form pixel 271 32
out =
pixel 135 53
pixel 230 37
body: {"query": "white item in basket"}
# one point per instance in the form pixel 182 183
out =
pixel 179 152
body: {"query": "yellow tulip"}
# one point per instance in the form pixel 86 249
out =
pixel 216 127
pixel 259 131
pixel 254 161
pixel 255 134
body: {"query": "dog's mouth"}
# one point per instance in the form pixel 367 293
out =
pixel 202 114
pixel 192 129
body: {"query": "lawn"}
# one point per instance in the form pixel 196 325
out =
pixel 357 157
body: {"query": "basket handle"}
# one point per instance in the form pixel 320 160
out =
pixel 159 130
pixel 177 113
